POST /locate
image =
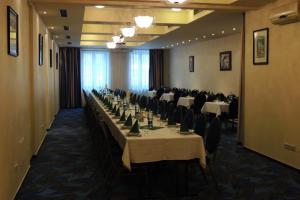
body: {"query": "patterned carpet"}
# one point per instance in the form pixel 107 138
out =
pixel 67 168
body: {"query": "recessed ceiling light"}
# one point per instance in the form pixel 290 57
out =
pixel 234 29
pixel 51 27
pixel 177 43
pixel 189 40
pixel 176 1
pixel 204 36
pixel 183 42
pixel 100 6
pixel 176 9
pixel 172 45
pixel 223 32
pixel 196 38
pixel 213 34
pixel 45 12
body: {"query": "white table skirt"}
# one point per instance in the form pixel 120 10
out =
pixel 155 145
pixel 152 93
pixel 186 101
pixel 167 97
pixel 215 107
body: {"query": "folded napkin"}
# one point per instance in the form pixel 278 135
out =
pixel 135 128
pixel 184 127
pixel 128 121
pixel 123 117
pixel 118 113
pixel 114 109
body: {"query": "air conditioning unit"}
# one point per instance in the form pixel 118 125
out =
pixel 286 14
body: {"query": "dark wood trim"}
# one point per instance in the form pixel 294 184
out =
pixel 261 63
pixel 9 11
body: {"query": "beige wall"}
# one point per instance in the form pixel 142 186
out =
pixel 207 75
pixel 27 93
pixel 272 91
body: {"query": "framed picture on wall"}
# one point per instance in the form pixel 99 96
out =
pixel 12 32
pixel 56 59
pixel 261 47
pixel 50 57
pixel 191 63
pixel 225 61
pixel 41 49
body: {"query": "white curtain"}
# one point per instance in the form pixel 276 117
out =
pixel 94 69
pixel 139 62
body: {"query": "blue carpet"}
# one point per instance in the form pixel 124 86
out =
pixel 67 167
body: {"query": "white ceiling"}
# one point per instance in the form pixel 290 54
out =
pixel 169 27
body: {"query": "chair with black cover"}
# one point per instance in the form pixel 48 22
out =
pixel 177 95
pixel 233 111
pixel 220 97
pixel 199 101
pixel 159 93
pixel 200 125
pixel 213 137
pixel 171 108
pixel 188 119
pixel 211 97
pixel 180 113
pixel 154 106
pixel 163 109
pixel 114 166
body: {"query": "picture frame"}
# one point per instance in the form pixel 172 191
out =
pixel 226 61
pixel 41 49
pixel 57 61
pixel 261 47
pixel 50 58
pixel 191 63
pixel 12 32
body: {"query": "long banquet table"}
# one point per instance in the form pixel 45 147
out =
pixel 161 144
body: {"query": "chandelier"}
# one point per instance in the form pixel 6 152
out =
pixel 176 1
pixel 128 31
pixel 143 21
pixel 111 45
pixel 118 39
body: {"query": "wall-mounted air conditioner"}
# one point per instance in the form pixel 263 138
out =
pixel 286 14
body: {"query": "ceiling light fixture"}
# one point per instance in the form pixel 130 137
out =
pixel 196 38
pixel 51 27
pixel 234 29
pixel 111 45
pixel 99 6
pixel 204 36
pixel 143 21
pixel 128 31
pixel 213 34
pixel 176 9
pixel 183 42
pixel 176 1
pixel 118 39
pixel 189 40
pixel 223 32
pixel 45 12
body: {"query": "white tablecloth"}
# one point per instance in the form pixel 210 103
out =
pixel 152 93
pixel 217 107
pixel 186 101
pixel 155 145
pixel 167 97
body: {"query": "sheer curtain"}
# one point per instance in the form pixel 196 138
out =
pixel 139 70
pixel 94 69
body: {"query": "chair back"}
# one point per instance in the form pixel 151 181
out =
pixel 189 119
pixel 234 108
pixel 200 125
pixel 213 136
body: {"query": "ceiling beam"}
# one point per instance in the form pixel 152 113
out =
pixel 151 4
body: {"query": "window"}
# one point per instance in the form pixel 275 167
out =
pixel 139 70
pixel 94 69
